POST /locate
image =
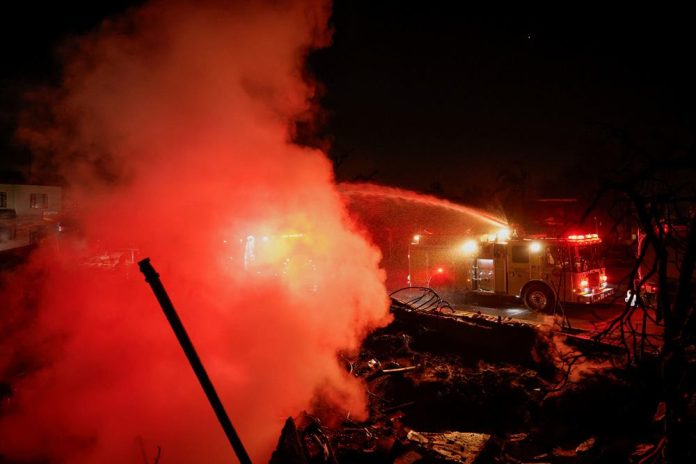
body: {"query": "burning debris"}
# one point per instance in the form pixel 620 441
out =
pixel 439 392
pixel 456 447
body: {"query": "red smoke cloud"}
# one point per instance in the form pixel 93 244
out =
pixel 171 127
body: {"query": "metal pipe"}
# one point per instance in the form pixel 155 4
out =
pixel 152 278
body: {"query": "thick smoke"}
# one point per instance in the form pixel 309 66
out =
pixel 171 128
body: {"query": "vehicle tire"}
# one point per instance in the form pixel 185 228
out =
pixel 539 297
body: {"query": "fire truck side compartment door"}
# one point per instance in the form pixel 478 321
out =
pixel 500 260
pixel 518 267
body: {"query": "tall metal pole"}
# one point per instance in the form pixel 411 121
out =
pixel 152 278
pixel 410 278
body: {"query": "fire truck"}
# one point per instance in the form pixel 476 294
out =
pixel 284 257
pixel 540 270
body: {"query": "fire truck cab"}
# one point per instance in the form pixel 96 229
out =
pixel 540 270
pixel 284 257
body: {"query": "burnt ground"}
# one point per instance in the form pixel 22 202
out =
pixel 480 389
pixel 443 387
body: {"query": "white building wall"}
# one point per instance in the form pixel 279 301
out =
pixel 19 198
pixel 7 196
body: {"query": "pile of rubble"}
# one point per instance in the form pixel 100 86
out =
pixel 471 388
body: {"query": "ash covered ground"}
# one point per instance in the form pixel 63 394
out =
pixel 479 389
pixel 446 386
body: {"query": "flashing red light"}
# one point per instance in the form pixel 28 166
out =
pixel 587 238
pixel 603 278
pixel 584 283
pixel 440 270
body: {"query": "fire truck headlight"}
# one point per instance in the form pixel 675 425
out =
pixel 584 283
pixel 504 234
pixel 416 239
pixel 469 247
pixel 535 247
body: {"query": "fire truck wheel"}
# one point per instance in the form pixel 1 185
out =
pixel 539 297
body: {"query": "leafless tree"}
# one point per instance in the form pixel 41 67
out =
pixel 656 190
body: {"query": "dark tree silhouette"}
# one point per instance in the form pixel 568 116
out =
pixel 655 188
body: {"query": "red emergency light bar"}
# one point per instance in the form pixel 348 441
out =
pixel 586 238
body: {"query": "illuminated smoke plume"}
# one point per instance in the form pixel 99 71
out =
pixel 171 128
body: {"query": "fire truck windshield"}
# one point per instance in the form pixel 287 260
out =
pixel 587 257
pixel 575 257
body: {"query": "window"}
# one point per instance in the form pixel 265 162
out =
pixel 588 257
pixel 38 200
pixel 3 200
pixel 520 254
pixel 556 256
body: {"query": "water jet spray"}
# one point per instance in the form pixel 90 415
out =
pixel 391 193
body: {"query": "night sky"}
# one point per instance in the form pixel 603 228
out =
pixel 435 97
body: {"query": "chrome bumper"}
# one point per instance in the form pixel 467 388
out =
pixel 595 296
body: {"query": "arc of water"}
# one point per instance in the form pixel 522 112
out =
pixel 374 190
